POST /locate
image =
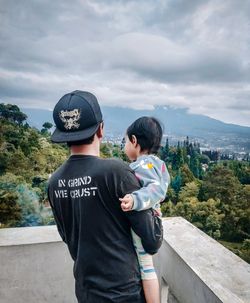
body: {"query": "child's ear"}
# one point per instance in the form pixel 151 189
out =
pixel 134 140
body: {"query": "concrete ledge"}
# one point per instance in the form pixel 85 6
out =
pixel 35 266
pixel 198 269
pixel 193 268
pixel 28 235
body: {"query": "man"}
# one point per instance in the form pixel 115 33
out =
pixel 84 195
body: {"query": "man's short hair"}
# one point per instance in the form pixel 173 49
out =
pixel 82 142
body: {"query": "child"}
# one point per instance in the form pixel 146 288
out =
pixel 143 139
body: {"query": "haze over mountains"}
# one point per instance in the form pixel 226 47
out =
pixel 178 123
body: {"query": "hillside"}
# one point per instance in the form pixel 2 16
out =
pixel 211 194
pixel 178 123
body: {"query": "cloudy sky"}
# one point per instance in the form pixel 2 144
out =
pixel 183 53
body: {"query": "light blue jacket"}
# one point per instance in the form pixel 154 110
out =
pixel 154 177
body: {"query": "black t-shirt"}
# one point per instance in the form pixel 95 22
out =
pixel 84 195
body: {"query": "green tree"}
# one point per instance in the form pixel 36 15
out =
pixel 204 159
pixel 106 150
pixel 24 202
pixel 176 183
pixel 46 127
pixel 29 141
pixel 164 152
pixel 189 191
pixel 195 164
pixel 241 170
pixel 177 157
pixel 206 215
pixel 11 133
pixel 186 175
pixel 220 183
pixel 18 164
pixel 10 211
pixel 242 214
pixel 171 195
pixel 12 113
pixel 117 152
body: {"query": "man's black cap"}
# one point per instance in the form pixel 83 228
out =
pixel 77 116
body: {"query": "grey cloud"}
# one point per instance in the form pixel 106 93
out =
pixel 243 105
pixel 137 53
pixel 156 57
pixel 43 35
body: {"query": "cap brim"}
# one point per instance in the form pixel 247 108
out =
pixel 60 137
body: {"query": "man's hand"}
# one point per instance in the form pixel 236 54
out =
pixel 127 202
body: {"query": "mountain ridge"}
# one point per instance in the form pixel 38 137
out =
pixel 177 123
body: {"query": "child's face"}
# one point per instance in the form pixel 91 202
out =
pixel 131 149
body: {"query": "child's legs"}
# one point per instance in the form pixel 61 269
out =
pixel 151 291
pixel 145 260
pixel 148 275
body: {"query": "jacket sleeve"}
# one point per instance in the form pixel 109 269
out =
pixel 155 181
pixel 144 223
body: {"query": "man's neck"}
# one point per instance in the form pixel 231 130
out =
pixel 92 149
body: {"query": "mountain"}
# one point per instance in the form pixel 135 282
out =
pixel 178 123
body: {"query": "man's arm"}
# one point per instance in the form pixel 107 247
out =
pixel 57 220
pixel 148 227
pixel 144 223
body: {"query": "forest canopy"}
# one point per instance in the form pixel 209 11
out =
pixel 212 194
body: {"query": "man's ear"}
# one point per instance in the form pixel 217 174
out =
pixel 100 131
pixel 134 140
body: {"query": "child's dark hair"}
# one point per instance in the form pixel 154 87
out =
pixel 148 132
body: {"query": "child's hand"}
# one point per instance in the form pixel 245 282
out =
pixel 127 202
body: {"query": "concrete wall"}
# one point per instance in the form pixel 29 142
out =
pixel 193 268
pixel 35 267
